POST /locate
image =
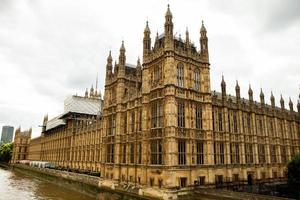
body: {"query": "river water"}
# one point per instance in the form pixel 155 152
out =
pixel 19 186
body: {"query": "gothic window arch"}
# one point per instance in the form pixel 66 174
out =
pixel 180 75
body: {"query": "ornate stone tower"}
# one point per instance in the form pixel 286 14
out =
pixel 21 143
pixel 176 105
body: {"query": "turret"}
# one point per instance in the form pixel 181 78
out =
pixel 250 93
pixel 168 24
pixel 168 29
pixel 109 65
pixel 204 43
pixel 122 61
pixel 116 68
pixel 92 91
pixel 146 41
pixel 237 91
pixel 291 105
pixel 187 38
pixel 262 97
pixel 139 68
pixel 223 88
pixel 86 94
pixel 272 98
pixel 281 102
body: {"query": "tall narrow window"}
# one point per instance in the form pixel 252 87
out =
pixel 181 115
pixel 124 153
pixel 125 122
pixel 132 153
pixel 111 125
pixel 139 153
pixel 249 123
pixel 260 126
pixel 198 117
pixel 200 153
pixel 271 132
pixel 132 121
pixel 180 75
pixel 110 153
pixel 261 153
pixel 197 80
pixel 249 153
pixel 220 120
pixel 219 152
pixel 181 152
pixel 140 120
pixel 234 153
pixel 156 152
pixel 235 124
pixel 157 114
pixel 273 153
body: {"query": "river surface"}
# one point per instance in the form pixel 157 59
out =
pixel 20 186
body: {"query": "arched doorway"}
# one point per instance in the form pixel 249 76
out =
pixel 250 179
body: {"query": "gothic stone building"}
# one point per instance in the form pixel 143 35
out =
pixel 161 125
pixel 21 143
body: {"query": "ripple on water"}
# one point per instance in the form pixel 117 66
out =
pixel 19 186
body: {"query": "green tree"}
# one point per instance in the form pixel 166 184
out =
pixel 6 152
pixel 294 171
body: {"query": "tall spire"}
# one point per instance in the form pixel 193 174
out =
pixel 187 37
pixel 281 102
pixel 223 88
pixel 92 91
pixel 237 91
pixel 204 42
pixel 272 98
pixel 109 65
pixel 262 97
pixel 122 60
pixel 168 24
pixel 250 93
pixel 146 42
pixel 291 105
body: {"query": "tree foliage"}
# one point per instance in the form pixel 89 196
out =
pixel 6 152
pixel 294 171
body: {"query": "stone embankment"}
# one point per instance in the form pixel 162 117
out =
pixel 93 185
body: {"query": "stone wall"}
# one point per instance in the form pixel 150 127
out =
pixel 34 149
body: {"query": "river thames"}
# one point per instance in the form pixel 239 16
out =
pixel 19 186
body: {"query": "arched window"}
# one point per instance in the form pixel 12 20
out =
pixel 180 75
pixel 197 80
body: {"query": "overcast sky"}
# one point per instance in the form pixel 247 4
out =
pixel 52 49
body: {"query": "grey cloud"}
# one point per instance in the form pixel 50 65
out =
pixel 261 15
pixel 57 48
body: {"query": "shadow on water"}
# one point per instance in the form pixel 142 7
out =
pixel 15 185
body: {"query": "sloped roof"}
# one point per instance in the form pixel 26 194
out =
pixel 83 105
pixel 55 122
pixel 76 104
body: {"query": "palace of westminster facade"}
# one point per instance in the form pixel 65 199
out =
pixel 161 125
